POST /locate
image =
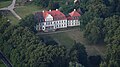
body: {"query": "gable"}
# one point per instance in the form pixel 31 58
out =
pixel 48 18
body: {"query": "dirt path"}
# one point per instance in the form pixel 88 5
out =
pixel 91 49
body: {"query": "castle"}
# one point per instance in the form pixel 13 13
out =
pixel 54 19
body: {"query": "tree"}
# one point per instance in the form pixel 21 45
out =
pixel 112 56
pixel 78 54
pixel 111 29
pixel 53 5
pixel 39 55
pixel 114 7
pixel 29 21
pixel 75 64
pixel 93 31
pixel 42 3
pixel 96 9
pixel 94 61
pixel 4 27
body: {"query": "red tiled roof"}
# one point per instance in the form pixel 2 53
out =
pixel 57 15
pixel 45 14
pixel 69 17
pixel 74 13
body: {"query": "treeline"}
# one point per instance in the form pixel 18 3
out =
pixel 100 23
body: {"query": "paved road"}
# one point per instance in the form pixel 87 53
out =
pixel 10 8
pixel 5 60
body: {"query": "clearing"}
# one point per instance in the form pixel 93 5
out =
pixel 92 49
pixel 68 38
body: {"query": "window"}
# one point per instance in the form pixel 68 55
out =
pixel 59 25
pixel 72 23
pixel 48 23
pixel 69 23
pixel 64 21
pixel 60 22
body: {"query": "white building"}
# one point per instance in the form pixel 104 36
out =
pixel 52 20
pixel 73 18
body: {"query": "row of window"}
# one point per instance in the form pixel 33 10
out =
pixel 73 24
pixel 58 26
pixel 63 25
pixel 61 21
pixel 58 22
pixel 75 17
pixel 73 21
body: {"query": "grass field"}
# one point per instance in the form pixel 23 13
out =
pixel 67 39
pixel 63 39
pixel 92 49
pixel 23 11
pixel 12 18
pixel 4 4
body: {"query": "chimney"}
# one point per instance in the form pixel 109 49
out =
pixel 43 11
pixel 49 10
pixel 74 9
pixel 56 9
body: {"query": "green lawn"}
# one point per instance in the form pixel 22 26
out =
pixel 23 11
pixel 12 18
pixel 67 39
pixel 4 4
pixel 92 49
pixel 63 39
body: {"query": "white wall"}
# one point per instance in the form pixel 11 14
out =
pixel 49 18
pixel 73 23
pixel 57 24
pixel 61 24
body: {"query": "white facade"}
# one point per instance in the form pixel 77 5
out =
pixel 48 23
pixel 60 24
pixel 73 23
pixel 49 18
pixel 53 24
pixel 57 24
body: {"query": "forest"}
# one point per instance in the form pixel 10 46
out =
pixel 100 23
